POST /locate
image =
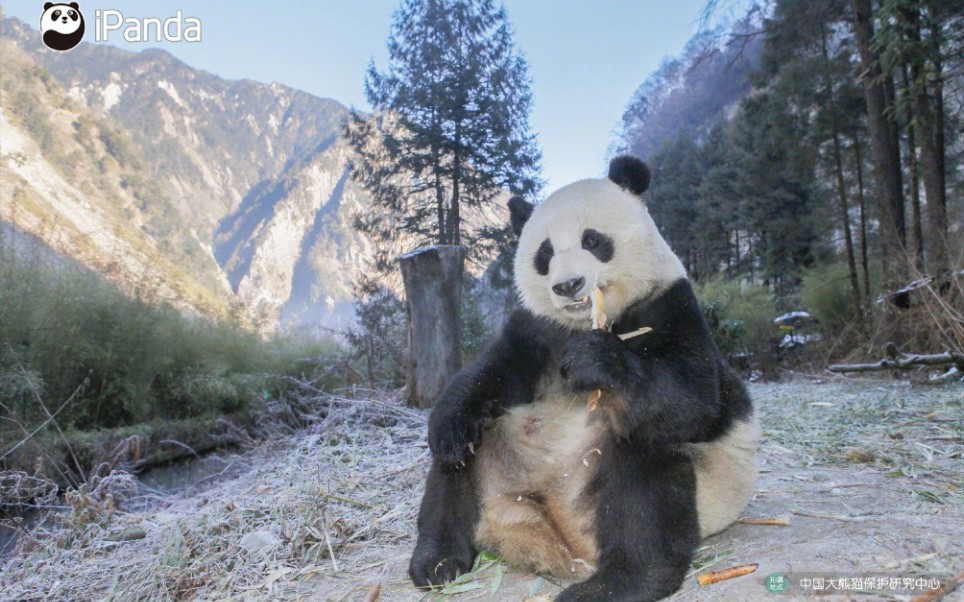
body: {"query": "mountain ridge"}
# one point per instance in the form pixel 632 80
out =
pixel 243 184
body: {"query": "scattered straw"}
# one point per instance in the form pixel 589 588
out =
pixel 327 510
pixel 333 500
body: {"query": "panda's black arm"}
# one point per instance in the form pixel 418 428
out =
pixel 665 384
pixel 673 391
pixel 506 374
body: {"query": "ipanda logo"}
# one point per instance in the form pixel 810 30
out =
pixel 62 25
pixel 146 29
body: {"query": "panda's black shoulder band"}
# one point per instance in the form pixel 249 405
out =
pixel 630 173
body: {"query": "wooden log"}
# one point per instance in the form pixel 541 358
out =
pixel 952 374
pixel 433 292
pixel 901 361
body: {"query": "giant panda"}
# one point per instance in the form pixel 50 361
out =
pixel 616 497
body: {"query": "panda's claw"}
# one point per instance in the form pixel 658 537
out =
pixel 431 567
pixel 453 438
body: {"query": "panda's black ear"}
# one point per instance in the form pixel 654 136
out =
pixel 630 173
pixel 74 6
pixel 48 5
pixel 519 210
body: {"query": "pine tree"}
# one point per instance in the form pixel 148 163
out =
pixel 672 198
pixel 720 196
pixel 878 89
pixel 911 39
pixel 450 129
pixel 779 207
pixel 813 71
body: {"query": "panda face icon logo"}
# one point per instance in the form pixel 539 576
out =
pixel 62 25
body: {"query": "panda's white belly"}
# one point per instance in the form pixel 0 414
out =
pixel 534 465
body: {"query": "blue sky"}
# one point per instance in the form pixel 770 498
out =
pixel 586 58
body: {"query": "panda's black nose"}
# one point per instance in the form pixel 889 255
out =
pixel 569 287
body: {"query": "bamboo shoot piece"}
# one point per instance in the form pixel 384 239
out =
pixel 634 333
pixel 598 309
pixel 730 573
pixel 780 521
pixel 599 321
pixel 592 401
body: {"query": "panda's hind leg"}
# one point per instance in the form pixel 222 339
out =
pixel 647 524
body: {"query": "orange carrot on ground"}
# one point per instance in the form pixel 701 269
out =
pixel 730 573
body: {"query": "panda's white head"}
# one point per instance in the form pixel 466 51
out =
pixel 593 233
pixel 62 25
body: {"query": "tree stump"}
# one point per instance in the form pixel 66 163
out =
pixel 433 292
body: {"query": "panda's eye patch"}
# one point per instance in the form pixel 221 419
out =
pixel 543 256
pixel 597 243
pixel 72 15
pixel 55 15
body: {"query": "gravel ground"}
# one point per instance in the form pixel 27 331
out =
pixel 867 474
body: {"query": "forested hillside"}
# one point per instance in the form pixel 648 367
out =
pixel 814 151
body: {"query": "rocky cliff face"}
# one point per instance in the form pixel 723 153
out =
pixel 240 186
pixel 290 250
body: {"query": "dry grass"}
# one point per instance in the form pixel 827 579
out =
pixel 895 427
pixel 346 486
pixel 329 513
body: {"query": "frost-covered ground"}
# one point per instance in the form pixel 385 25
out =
pixel 867 473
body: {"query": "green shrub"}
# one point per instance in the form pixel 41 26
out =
pixel 19 388
pixel 740 314
pixel 826 293
pixel 379 341
pixel 65 331
pixel 729 334
pixel 199 394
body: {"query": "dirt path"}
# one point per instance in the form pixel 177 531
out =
pixel 869 475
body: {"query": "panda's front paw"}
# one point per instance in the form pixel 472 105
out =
pixel 593 360
pixel 452 437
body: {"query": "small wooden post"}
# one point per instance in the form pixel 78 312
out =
pixel 433 293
